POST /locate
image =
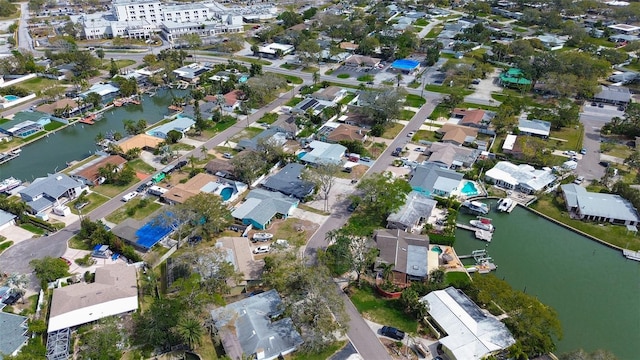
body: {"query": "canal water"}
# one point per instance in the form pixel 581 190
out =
pixel 76 142
pixel 594 289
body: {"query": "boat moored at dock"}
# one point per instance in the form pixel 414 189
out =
pixel 476 207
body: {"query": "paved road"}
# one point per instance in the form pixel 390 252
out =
pixel 593 118
pixel 24 38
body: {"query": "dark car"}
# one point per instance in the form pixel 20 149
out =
pixel 143 187
pixel 181 164
pixel 392 332
pixel 12 299
pixel 397 152
pixel 604 163
pixel 352 207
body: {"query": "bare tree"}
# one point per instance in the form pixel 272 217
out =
pixel 323 176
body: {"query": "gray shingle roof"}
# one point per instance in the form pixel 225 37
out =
pixel 615 94
pixel 416 207
pixel 433 177
pixel 54 186
pixel 289 182
pixel 262 205
pixel 6 217
pixel 13 331
pixel 246 327
pixel 324 153
pixel 408 252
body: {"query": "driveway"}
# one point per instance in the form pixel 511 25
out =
pixel 483 91
pixel 593 118
pixel 16 234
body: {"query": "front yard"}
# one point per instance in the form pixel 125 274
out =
pixel 381 310
pixel 137 208
pixel 94 200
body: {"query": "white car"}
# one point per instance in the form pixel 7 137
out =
pixel 418 149
pixel 261 250
pixel 410 134
pixel 129 196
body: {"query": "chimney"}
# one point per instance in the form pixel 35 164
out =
pixel 260 354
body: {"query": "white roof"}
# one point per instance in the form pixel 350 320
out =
pixel 472 333
pixel 509 142
pixel 324 153
pixel 523 175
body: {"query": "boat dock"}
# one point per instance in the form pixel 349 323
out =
pixel 484 263
pixel 480 234
pixel 89 120
pixel 631 255
pixel 8 156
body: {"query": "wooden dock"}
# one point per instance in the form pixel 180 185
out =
pixel 631 255
pixel 480 234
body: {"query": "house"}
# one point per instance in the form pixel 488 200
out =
pixel 521 177
pixel 261 206
pixel 6 219
pixel 246 328
pixel 324 153
pixel 407 253
pixel 114 292
pixel 14 333
pixel 140 141
pixel 26 123
pixel 275 50
pixel 510 145
pixel 411 215
pixel 207 109
pixel 273 136
pixel 467 332
pixel 146 233
pixel 45 192
pixel 69 107
pixel 431 179
pixel 330 93
pixel 232 100
pixel 240 256
pixel 221 168
pixel 476 118
pixel 598 207
pixel 362 61
pixel 451 156
pixel 206 183
pixel 552 42
pixel 514 77
pixel 538 128
pixel 345 132
pixel 616 95
pixel 348 46
pixel 191 73
pixel 456 134
pixel 289 182
pixel 310 104
pixel 181 125
pixel 106 91
pixel 89 173
pixel 625 29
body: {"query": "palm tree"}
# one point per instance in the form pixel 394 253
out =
pixel 399 77
pixel 316 78
pixel 387 270
pixel 190 330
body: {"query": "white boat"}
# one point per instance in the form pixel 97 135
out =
pixel 9 184
pixel 476 207
pixel 262 236
pixel 483 224
pixel 505 204
pixel 16 151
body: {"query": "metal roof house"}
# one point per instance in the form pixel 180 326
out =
pixel 246 328
pixel 324 153
pixel 13 333
pixel 467 333
pixel 104 90
pixel 407 252
pixel 416 208
pixel 181 124
pixel 261 206
pixel 521 177
pixel 617 95
pixel 585 205
pixel 289 182
pixel 6 219
pixel 539 128
pixel 432 179
pixel 45 192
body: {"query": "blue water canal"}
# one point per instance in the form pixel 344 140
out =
pixel 50 154
pixel 594 289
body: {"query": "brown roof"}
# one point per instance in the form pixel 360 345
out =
pixel 216 165
pixel 469 116
pixel 362 60
pixel 347 45
pixel 211 98
pixel 393 246
pixel 329 93
pixel 347 132
pixel 231 97
pixel 456 133
pixel 60 104
pixel 299 27
pixel 251 269
pixel 91 173
pixel 140 141
pixel 181 192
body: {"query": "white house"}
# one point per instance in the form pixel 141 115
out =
pixel 181 124
pixel 521 177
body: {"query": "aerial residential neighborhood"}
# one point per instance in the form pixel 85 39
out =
pixel 319 180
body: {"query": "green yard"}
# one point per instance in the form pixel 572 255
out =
pixel 76 243
pixel 122 63
pixel 133 209
pixel 37 84
pixel 4 244
pixel 343 76
pixel 140 166
pixel 365 78
pixel 347 99
pixel 268 118
pixel 414 101
pixel 425 135
pixel 110 190
pixel 448 89
pixel 617 150
pixel 406 114
pixel 32 228
pixel 434 32
pixel 392 131
pixel 293 101
pixel 573 136
pixel 53 126
pixel 380 310
pixel 421 22
pixel 94 200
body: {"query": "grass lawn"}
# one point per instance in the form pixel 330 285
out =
pixel 32 228
pixel 287 231
pixel 247 133
pixel 53 125
pixel 421 22
pixel 140 166
pixel 268 118
pixel 110 190
pixel 289 66
pixel 294 101
pixel 122 63
pixel 406 114
pixel 76 243
pixel 95 200
pixel 553 207
pixel 37 84
pixel 478 106
pixel 311 209
pixel 223 124
pixel 347 99
pixel 343 76
pixel 182 146
pixel 425 135
pixel 448 89
pixel 4 245
pixel 380 310
pixel 434 32
pixel 122 213
pixel 324 354
pixel 250 60
pixel 439 111
pixel 617 150
pixel 310 69
pixel 392 131
pixel 365 78
pixel 573 136
pixel 293 79
pixel 414 101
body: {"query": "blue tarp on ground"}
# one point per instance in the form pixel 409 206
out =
pixel 152 232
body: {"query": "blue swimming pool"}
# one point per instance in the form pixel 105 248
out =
pixel 405 64
pixel 243 79
pixel 301 154
pixel 437 249
pixel 469 189
pixel 11 97
pixel 226 193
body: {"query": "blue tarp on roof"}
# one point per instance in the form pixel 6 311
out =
pixel 152 232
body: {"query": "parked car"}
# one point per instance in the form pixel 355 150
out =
pixel 129 196
pixel 67 261
pixel 578 180
pixel 352 207
pixel 227 156
pixel 366 159
pixel 410 134
pixel 583 151
pixel 600 105
pixel 418 149
pixel 261 249
pixel 604 163
pixel 594 104
pixel 143 187
pixel 392 332
pixel 181 164
pixel 397 152
pixel 12 299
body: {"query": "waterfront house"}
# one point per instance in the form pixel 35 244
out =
pixel 191 73
pixel 249 328
pixel 324 153
pixel 451 156
pixel 465 331
pixel 206 183
pixel 523 177
pixel 89 173
pixel 45 192
pixel 538 128
pixel 207 109
pixel 598 207
pixel 288 181
pixel 114 292
pixel 106 91
pixel 181 125
pixel 14 333
pixel 433 179
pixel 411 215
pixel 260 206
pixel 26 123
pixel 406 252
pixel 67 107
pixel 456 134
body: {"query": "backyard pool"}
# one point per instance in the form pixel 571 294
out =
pixel 11 97
pixel 226 193
pixel 301 154
pixel 243 79
pixel 469 189
pixel 437 249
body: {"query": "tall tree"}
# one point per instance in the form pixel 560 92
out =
pixel 49 269
pixel 381 194
pixel 190 330
pixel 323 176
pixel 101 342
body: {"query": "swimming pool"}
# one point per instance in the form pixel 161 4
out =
pixel 437 249
pixel 469 189
pixel 11 97
pixel 301 154
pixel 405 64
pixel 226 193
pixel 243 79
